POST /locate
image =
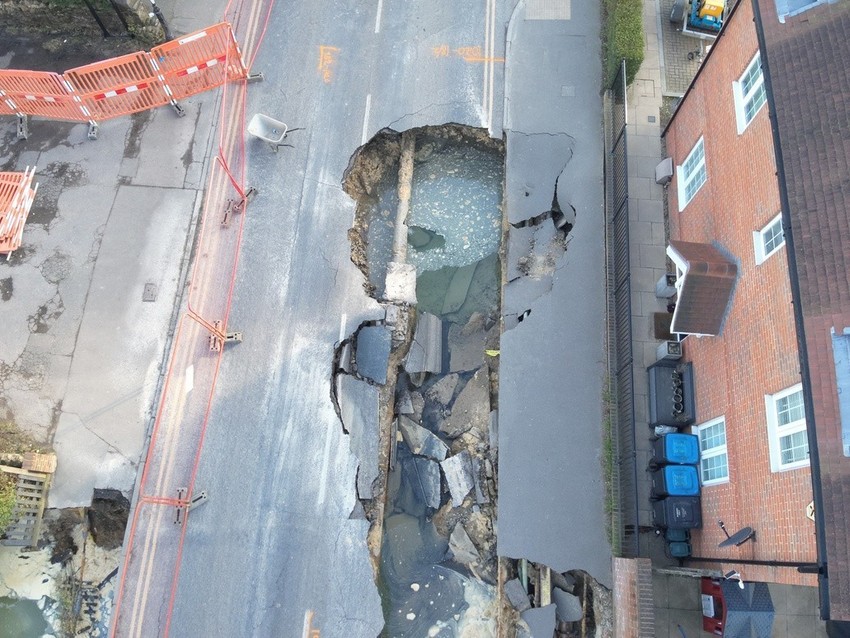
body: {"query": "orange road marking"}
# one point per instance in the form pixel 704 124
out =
pixel 327 60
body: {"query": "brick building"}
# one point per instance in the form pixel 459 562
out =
pixel 759 220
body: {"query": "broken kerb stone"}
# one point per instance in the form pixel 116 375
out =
pixel 426 350
pixel 568 607
pixel 443 390
pixel 400 285
pixel 480 496
pixel 458 472
pixel 493 430
pixel 372 352
pixel 517 595
pixel 420 440
pixel 471 409
pixel 461 547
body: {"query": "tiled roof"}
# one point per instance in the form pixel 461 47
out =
pixel 807 58
pixel 704 294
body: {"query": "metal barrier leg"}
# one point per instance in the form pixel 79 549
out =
pixel 93 128
pixel 23 127
pixel 255 77
pixel 177 108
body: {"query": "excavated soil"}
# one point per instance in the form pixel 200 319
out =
pixel 57 35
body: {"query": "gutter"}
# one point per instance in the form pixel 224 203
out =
pixel 702 66
pixel 799 323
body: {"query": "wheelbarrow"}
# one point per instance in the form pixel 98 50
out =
pixel 268 129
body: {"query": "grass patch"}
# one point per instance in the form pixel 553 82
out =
pixel 623 37
pixel 14 441
pixel 7 500
pixel 609 460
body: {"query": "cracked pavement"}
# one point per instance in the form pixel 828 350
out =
pixel 81 355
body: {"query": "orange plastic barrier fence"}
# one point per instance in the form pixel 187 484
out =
pixel 118 86
pixel 128 84
pixel 200 61
pixel 5 108
pixel 39 93
pixel 16 196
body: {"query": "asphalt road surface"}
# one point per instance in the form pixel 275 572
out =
pixel 275 549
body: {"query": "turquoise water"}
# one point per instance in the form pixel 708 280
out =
pixel 20 618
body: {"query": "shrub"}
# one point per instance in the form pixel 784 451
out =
pixel 624 37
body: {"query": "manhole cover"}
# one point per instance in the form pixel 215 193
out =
pixel 150 292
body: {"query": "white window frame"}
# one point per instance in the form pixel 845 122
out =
pixel 683 180
pixel 759 240
pixel 775 432
pixel 720 450
pixel 742 100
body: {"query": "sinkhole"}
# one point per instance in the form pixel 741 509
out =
pixel 438 563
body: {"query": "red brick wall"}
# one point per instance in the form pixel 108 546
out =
pixel 757 353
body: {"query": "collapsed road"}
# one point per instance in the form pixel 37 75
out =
pixel 299 511
pixel 418 385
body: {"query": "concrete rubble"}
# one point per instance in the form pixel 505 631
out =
pixel 471 409
pixel 567 606
pixel 458 472
pixel 420 440
pixel 517 595
pixel 540 621
pixel 461 547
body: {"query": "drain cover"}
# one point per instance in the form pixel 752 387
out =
pixel 150 292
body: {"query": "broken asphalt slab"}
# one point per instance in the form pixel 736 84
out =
pixel 359 404
pixel 373 352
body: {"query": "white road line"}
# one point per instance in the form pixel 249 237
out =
pixel 326 458
pixel 342 320
pixel 190 379
pixel 491 54
pixel 366 119
pixel 485 65
pixel 378 16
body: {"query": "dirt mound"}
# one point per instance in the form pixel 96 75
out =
pixel 45 35
pixel 108 516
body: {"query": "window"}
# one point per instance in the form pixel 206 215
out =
pixel 691 175
pixel 786 427
pixel 714 465
pixel 749 94
pixel 769 239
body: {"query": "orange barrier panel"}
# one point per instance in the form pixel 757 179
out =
pixel 128 84
pixel 39 93
pixel 118 86
pixel 199 61
pixel 16 197
pixel 6 107
pixel 17 82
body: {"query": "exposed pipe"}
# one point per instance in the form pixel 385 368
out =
pixel 799 323
pixel 806 568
